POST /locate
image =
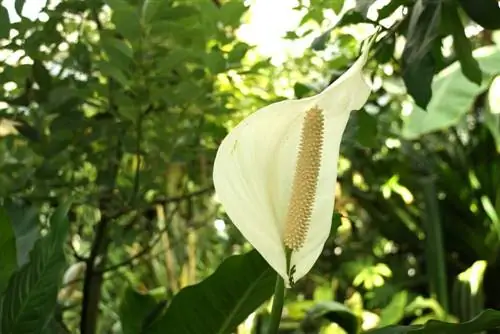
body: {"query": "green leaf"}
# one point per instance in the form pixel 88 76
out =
pixel 385 49
pixel 453 95
pixel 119 53
pixel 176 13
pixel 134 310
pixel 25 229
pixel 31 295
pixel 231 12
pixel 319 43
pixel 42 77
pixel 462 45
pixel 237 53
pixel 362 6
pixel 215 61
pixel 126 19
pixel 395 311
pixel 488 319
pixel 4 23
pixel 492 114
pixel 19 4
pixel 484 12
pixel 8 255
pixel 418 61
pixel 301 90
pixel 390 8
pixel 336 5
pixel 222 301
pixel 334 312
pixel 110 70
pixel 367 129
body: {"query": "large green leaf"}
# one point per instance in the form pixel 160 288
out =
pixel 4 23
pixel 331 311
pixel 222 301
pixel 492 114
pixel 126 19
pixel 31 294
pixel 395 311
pixel 462 45
pixel 453 95
pixel 488 319
pixel 134 309
pixel 418 60
pixel 8 255
pixel 484 12
pixel 25 228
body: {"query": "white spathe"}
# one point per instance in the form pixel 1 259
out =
pixel 255 165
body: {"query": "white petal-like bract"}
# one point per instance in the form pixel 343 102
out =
pixel 255 165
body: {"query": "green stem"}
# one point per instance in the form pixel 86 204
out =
pixel 279 297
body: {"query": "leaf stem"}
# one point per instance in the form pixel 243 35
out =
pixel 279 296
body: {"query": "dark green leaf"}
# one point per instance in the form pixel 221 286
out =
pixel 492 114
pixel 215 61
pixel 4 23
pixel 367 129
pixel 110 70
pixel 28 131
pixel 319 43
pixel 25 229
pixel 231 12
pixel 418 60
pixel 337 5
pixel 462 46
pixel 395 311
pixel 126 19
pixel 362 6
pixel 8 255
pixel 389 8
pixel 351 17
pixel 484 12
pixel 118 51
pixel 488 319
pixel 334 312
pixel 301 90
pixel 19 4
pixel 222 301
pixel 385 49
pixel 31 295
pixel 238 52
pixel 42 76
pixel 460 95
pixel 134 309
pixel 175 13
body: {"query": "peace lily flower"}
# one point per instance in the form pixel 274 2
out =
pixel 275 172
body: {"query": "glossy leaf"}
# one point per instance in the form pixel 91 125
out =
pixel 31 294
pixel 334 312
pixel 4 23
pixel 488 319
pixel 462 46
pixel 453 95
pixel 126 19
pixel 418 59
pixel 134 310
pixel 25 229
pixel 8 257
pixel 484 12
pixel 222 301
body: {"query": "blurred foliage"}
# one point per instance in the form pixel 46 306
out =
pixel 120 106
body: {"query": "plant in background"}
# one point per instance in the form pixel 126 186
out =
pixel 122 104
